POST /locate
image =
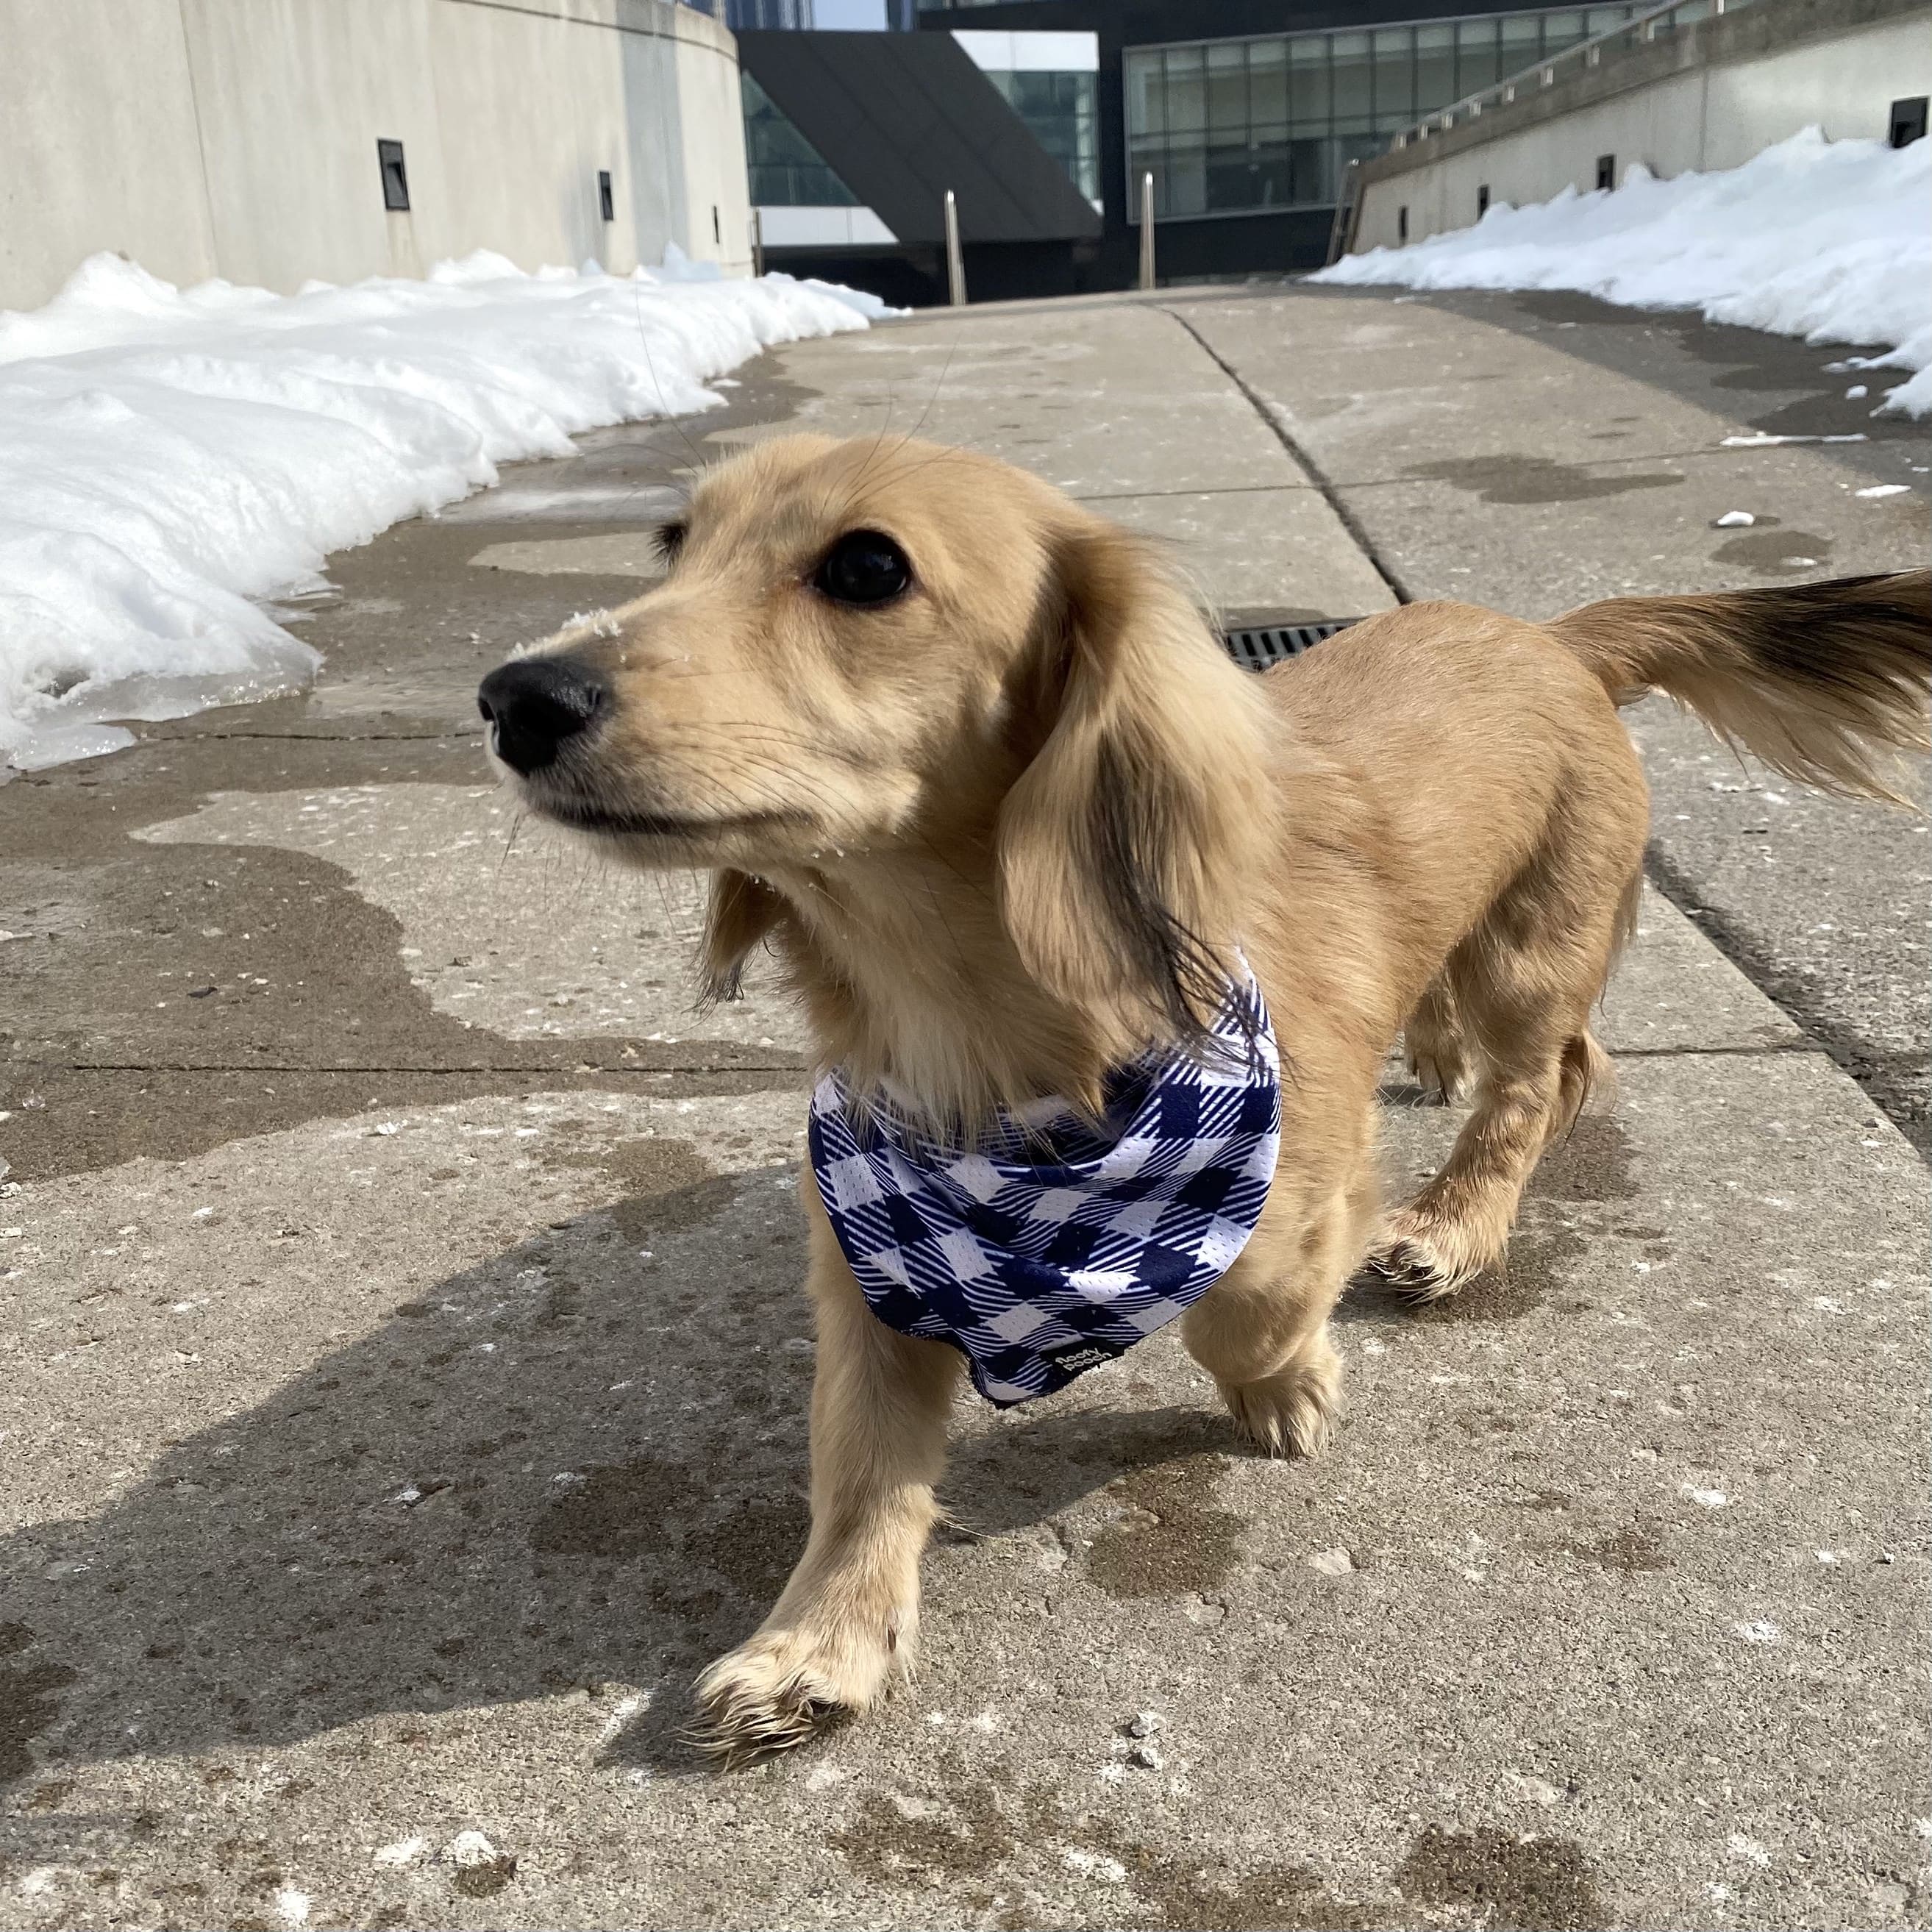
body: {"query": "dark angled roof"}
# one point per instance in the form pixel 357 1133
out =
pixel 901 118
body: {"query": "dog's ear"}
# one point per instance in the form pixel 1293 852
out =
pixel 742 911
pixel 1125 847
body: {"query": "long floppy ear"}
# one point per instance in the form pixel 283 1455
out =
pixel 741 912
pixel 1127 846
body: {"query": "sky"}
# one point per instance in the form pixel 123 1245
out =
pixel 848 13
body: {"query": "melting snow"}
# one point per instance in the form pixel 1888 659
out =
pixel 169 457
pixel 1827 240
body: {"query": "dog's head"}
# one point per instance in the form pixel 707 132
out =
pixel 865 651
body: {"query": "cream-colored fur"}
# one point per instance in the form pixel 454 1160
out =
pixel 1006 831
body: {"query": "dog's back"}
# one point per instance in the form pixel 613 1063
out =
pixel 1515 816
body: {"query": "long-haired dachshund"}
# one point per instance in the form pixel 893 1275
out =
pixel 1061 888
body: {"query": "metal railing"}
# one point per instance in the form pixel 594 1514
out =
pixel 1348 208
pixel 1585 54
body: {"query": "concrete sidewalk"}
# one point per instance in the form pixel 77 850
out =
pixel 406 1358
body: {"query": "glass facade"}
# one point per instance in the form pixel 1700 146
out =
pixel 736 13
pixel 1062 110
pixel 787 171
pixel 1241 127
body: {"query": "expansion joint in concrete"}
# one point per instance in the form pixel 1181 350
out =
pixel 1306 464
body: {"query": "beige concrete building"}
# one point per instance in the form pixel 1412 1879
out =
pixel 273 141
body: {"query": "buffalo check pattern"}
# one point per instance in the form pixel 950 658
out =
pixel 1051 1246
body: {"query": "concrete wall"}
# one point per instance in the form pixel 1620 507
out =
pixel 1710 107
pixel 237 137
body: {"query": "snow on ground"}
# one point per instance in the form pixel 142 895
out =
pixel 168 457
pixel 1828 240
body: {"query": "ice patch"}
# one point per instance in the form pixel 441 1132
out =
pixel 169 458
pixel 1827 240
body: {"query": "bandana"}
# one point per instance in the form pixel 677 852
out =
pixel 1054 1244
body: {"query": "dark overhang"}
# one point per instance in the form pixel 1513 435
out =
pixel 901 118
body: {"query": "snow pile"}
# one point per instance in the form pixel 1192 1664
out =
pixel 167 456
pixel 1828 240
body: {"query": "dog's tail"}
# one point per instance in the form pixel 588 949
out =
pixel 1824 681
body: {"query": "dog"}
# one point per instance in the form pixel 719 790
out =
pixel 968 761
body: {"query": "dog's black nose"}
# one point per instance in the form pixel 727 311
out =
pixel 535 703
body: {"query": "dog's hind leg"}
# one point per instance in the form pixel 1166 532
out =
pixel 847 1622
pixel 1261 1331
pixel 1432 1037
pixel 1525 982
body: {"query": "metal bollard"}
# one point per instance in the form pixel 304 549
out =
pixel 757 243
pixel 1147 230
pixel 955 263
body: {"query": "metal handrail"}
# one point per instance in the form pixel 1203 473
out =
pixel 1347 203
pixel 1588 53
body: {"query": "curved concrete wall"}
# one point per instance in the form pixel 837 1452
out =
pixel 237 137
pixel 1730 96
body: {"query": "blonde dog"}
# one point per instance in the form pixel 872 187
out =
pixel 968 761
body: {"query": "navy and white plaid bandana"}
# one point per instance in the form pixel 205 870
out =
pixel 1051 1248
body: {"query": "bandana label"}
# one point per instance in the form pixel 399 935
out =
pixel 1051 1246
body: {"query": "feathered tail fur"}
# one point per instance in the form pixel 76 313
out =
pixel 1825 682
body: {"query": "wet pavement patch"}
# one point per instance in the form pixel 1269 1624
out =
pixel 1635 1551
pixel 967 1838
pixel 668 1185
pixel 1776 552
pixel 1533 479
pixel 1199 1892
pixel 620 1511
pixel 28 1709
pixel 1170 1537
pixel 1521 1884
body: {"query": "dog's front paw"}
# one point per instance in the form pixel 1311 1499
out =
pixel 1294 1411
pixel 770 1693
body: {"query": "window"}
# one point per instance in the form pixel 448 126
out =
pixel 1607 171
pixel 1402 223
pixel 1482 201
pixel 395 176
pixel 1062 110
pixel 1243 126
pixel 786 170
pixel 1907 121
pixel 607 206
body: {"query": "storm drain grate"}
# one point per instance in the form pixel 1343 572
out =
pixel 1257 646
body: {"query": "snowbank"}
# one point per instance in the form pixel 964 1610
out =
pixel 1828 240
pixel 167 457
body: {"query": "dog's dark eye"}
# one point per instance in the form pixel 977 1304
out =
pixel 864 567
pixel 669 540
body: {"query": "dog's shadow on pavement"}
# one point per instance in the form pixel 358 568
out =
pixel 565 1469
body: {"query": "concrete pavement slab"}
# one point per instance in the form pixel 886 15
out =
pixel 1468 440
pixel 390 1478
pixel 509 926
pixel 1117 404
